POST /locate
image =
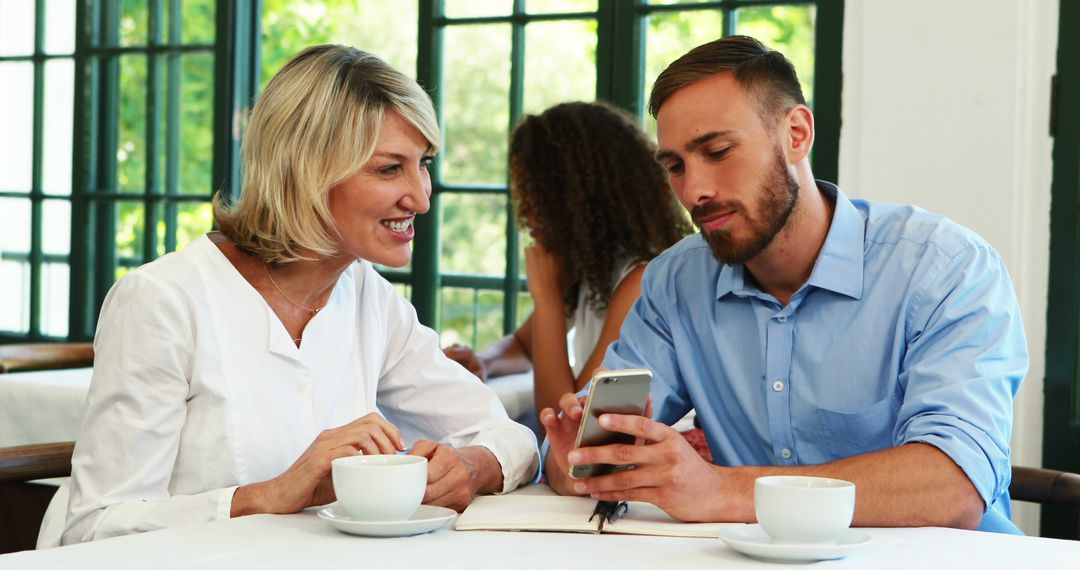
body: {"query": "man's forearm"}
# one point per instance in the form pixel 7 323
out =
pixel 911 485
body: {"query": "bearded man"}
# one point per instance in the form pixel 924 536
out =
pixel 813 334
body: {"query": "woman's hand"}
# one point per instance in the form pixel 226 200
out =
pixel 466 357
pixel 455 476
pixel 307 482
pixel 545 272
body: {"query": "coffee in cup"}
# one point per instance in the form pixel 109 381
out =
pixel 804 510
pixel 380 488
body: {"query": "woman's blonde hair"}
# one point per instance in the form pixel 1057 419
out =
pixel 315 125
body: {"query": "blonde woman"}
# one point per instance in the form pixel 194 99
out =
pixel 229 375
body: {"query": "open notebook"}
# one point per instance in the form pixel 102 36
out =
pixel 571 514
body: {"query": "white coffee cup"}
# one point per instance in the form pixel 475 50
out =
pixel 804 510
pixel 380 487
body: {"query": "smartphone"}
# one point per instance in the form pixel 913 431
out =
pixel 610 392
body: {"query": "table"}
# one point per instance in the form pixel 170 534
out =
pixel 303 540
pixel 43 406
pixel 47 406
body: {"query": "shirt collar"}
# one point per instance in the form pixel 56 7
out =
pixel 839 266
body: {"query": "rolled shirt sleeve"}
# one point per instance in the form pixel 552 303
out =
pixel 964 364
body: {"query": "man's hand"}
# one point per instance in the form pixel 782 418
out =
pixel 668 472
pixel 455 476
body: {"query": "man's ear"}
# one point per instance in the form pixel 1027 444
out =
pixel 799 126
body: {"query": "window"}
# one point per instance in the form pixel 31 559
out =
pixel 155 92
pixel 37 46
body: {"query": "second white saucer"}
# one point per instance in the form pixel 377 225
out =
pixel 426 519
pixel 753 542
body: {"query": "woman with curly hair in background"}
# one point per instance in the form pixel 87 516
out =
pixel 586 186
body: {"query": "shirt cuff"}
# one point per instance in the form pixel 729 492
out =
pixel 224 503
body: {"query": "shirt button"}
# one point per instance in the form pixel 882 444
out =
pixel 785 453
pixel 302 389
pixel 778 386
pixel 782 318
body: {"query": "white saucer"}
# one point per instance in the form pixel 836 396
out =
pixel 753 542
pixel 426 519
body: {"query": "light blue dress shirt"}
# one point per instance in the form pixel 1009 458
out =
pixel 908 330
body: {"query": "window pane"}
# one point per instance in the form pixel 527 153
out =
pixel 668 36
pixel 386 28
pixel 192 221
pixel 17 118
pixel 473 8
pixel 134 22
pixel 524 308
pixel 130 226
pixel 16 28
pixel 57 223
pixel 560 63
pixel 476 104
pixel 59 26
pixel 196 124
pixel 14 225
pixel 787 29
pixel 198 22
pixel 55 282
pixel 15 290
pixel 131 143
pixel 58 124
pixel 560 6
pixel 473 233
pixel 470 317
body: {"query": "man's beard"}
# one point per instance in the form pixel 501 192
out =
pixel 777 200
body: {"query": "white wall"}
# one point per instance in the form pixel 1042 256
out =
pixel 946 106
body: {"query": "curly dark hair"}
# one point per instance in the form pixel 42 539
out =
pixel 585 181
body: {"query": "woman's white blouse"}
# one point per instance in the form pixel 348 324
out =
pixel 198 389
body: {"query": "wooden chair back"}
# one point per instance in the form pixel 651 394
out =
pixel 1047 487
pixel 23 504
pixel 45 355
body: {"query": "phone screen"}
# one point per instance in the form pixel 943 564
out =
pixel 610 392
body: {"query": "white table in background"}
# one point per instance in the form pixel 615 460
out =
pixel 43 406
pixel 47 406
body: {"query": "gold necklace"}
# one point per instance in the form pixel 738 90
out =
pixel 312 310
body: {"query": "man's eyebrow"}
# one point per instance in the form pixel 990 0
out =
pixel 697 142
pixel 694 144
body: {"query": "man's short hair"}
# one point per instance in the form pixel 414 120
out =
pixel 764 73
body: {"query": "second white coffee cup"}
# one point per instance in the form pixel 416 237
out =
pixel 804 510
pixel 380 487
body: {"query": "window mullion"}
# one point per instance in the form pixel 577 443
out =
pixel 426 247
pixel 152 178
pixel 172 124
pixel 108 135
pixel 517 96
pixel 828 82
pixel 83 172
pixel 620 54
pixel 36 197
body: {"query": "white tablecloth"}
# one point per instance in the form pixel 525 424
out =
pixel 305 541
pixel 47 406
pixel 42 407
